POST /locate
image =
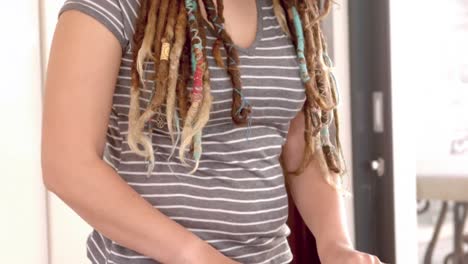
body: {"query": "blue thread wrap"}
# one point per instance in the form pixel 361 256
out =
pixel 300 46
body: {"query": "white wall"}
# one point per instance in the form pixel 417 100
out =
pixel 23 226
pixel 342 72
pixel 67 231
pixel 406 57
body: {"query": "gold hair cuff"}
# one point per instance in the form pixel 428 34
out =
pixel 165 50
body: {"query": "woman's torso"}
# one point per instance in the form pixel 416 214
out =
pixel 236 200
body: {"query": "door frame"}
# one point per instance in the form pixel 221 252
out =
pixel 372 135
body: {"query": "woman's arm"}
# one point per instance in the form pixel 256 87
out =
pixel 319 204
pixel 81 75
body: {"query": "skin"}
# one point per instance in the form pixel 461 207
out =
pixel 240 20
pixel 81 75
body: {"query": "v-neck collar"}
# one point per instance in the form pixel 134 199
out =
pixel 258 34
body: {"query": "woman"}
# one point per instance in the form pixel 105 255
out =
pixel 240 91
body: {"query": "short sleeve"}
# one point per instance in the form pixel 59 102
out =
pixel 107 12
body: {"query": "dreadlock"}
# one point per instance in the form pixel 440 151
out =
pixel 160 79
pixel 320 108
pixel 173 81
pixel 173 38
pixel 241 109
pixel 144 28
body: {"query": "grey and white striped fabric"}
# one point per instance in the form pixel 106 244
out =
pixel 236 200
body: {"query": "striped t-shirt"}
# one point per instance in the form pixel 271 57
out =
pixel 236 201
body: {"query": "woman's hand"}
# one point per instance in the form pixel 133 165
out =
pixel 345 254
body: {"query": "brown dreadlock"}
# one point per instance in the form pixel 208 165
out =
pixel 173 38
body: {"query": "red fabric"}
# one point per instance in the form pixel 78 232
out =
pixel 301 240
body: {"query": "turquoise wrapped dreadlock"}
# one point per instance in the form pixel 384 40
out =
pixel 320 84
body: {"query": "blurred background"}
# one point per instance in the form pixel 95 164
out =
pixel 402 68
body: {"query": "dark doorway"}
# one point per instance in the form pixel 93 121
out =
pixel 301 240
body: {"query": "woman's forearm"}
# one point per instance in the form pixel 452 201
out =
pixel 321 207
pixel 95 191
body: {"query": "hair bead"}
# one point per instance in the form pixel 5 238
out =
pixel 165 50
